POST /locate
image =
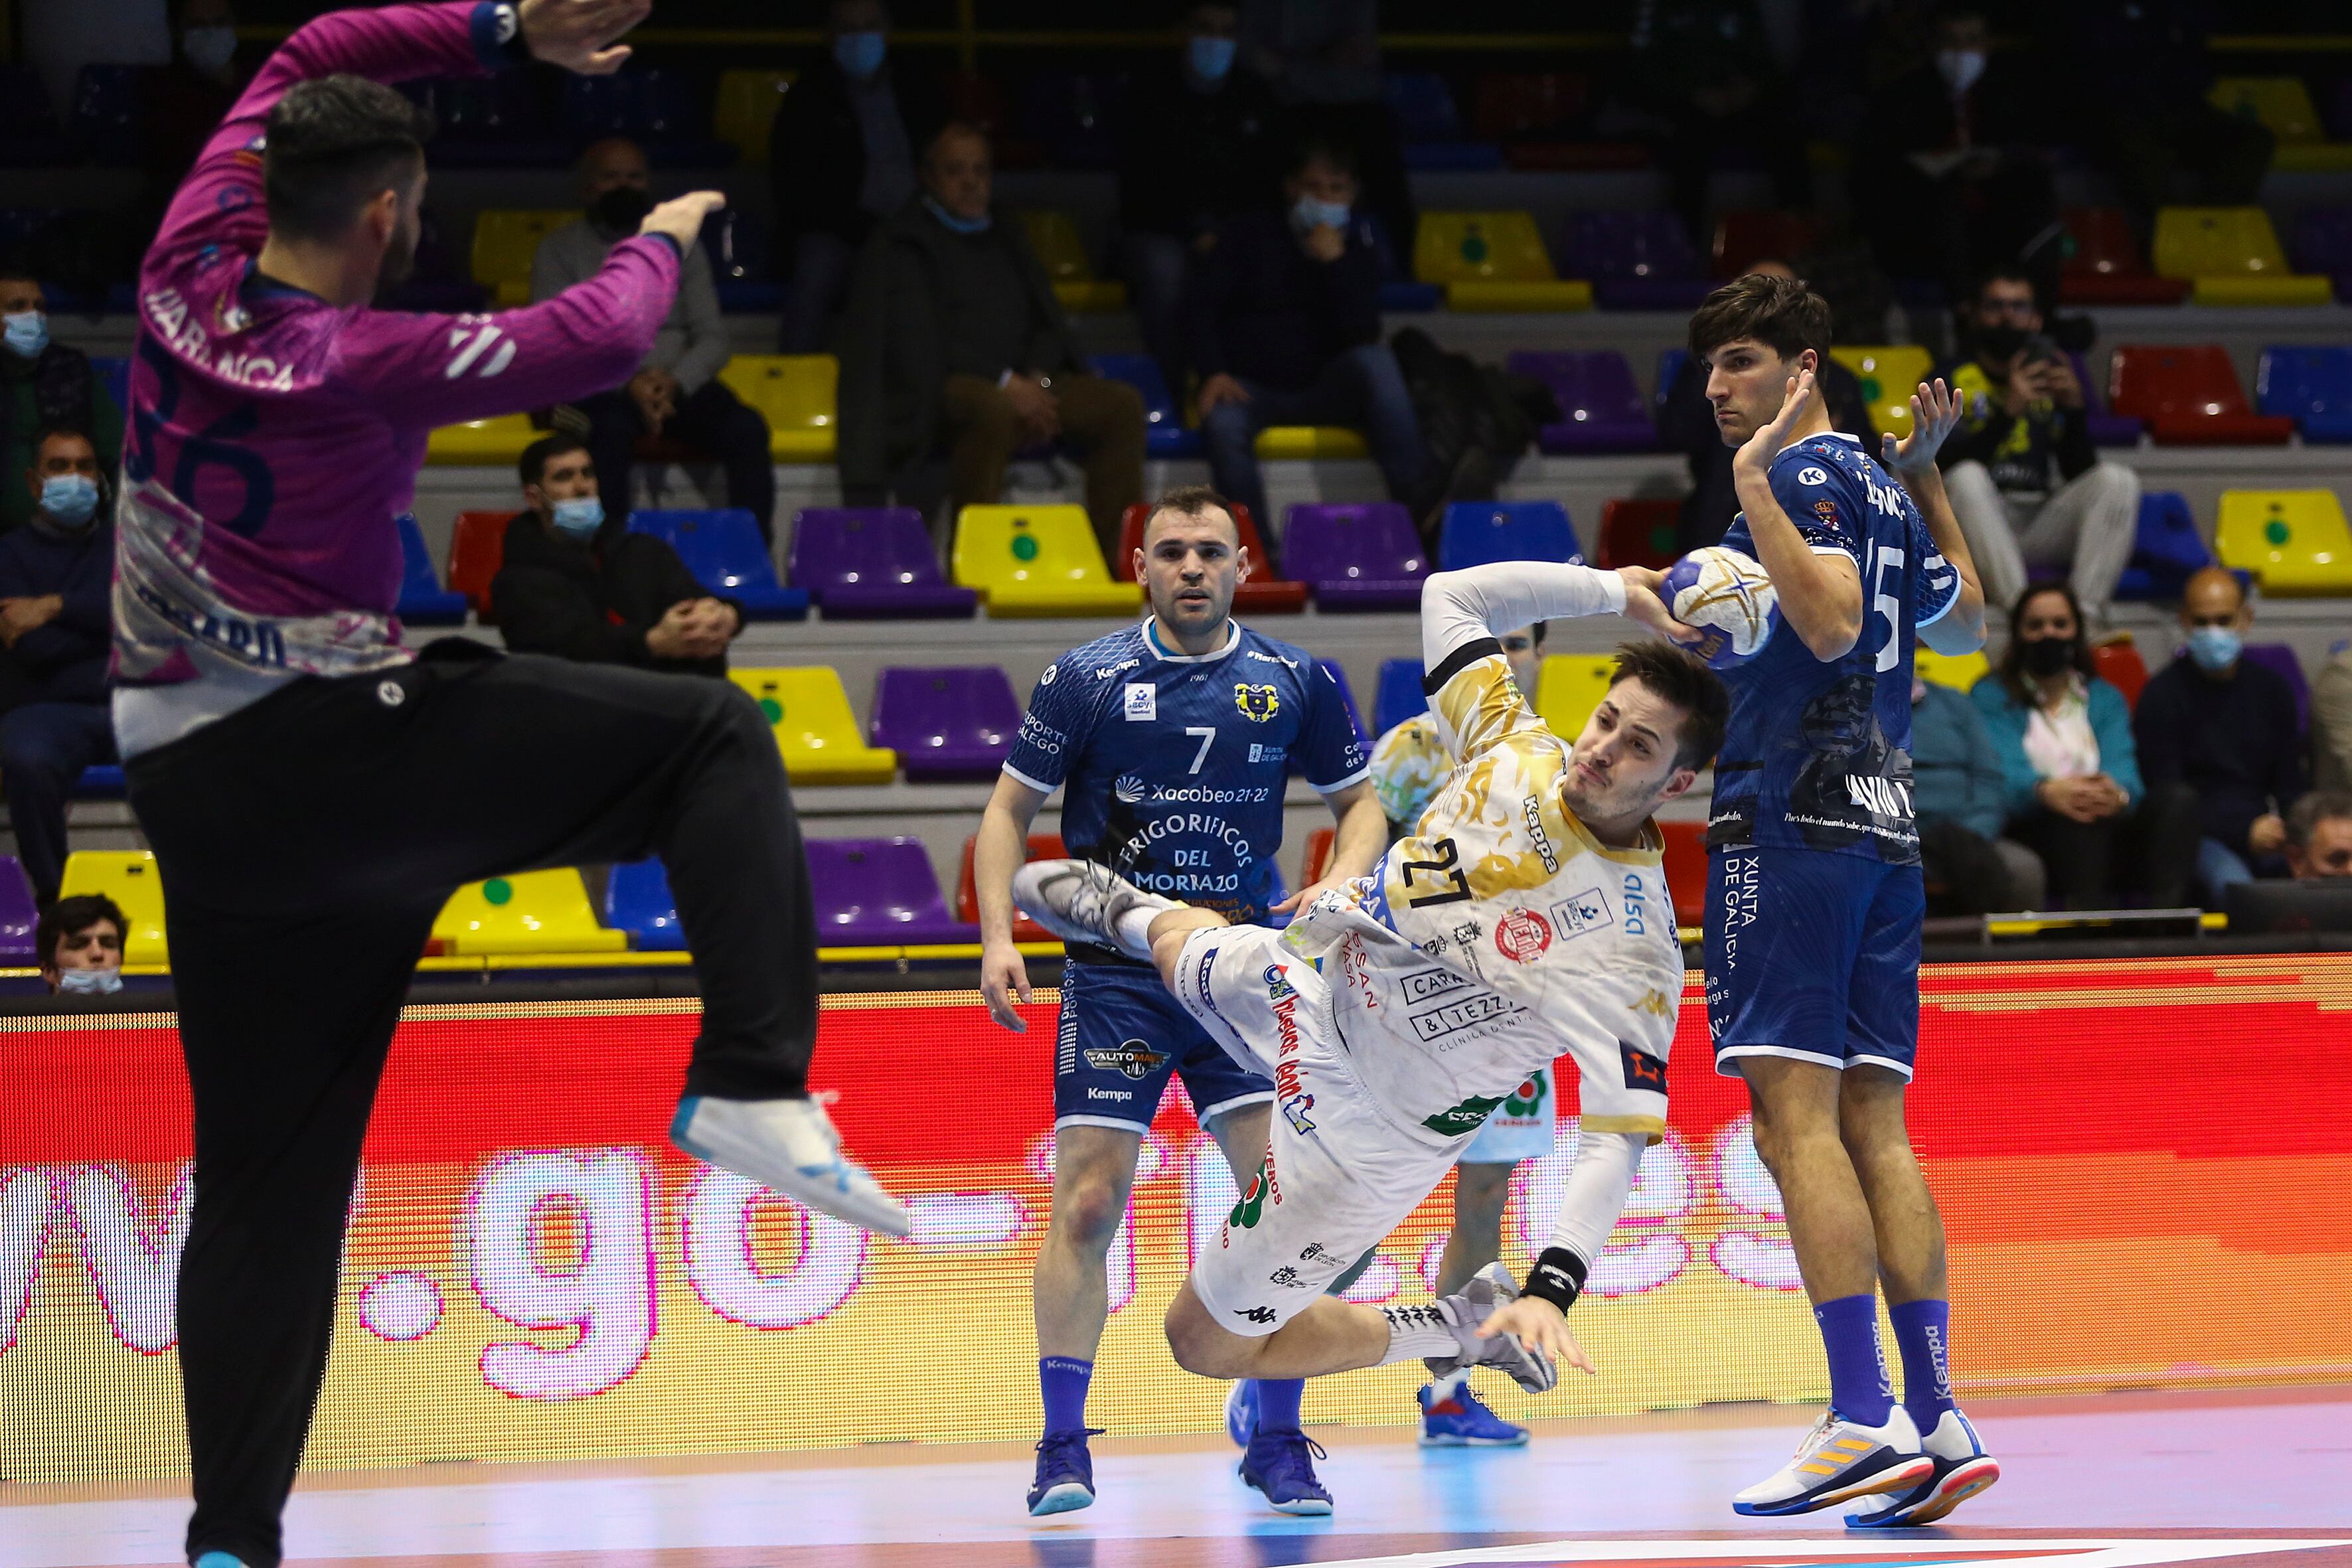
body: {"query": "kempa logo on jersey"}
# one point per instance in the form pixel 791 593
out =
pixel 1258 704
pixel 1531 811
pixel 1106 671
pixel 1882 797
pixel 1130 1059
pixel 1812 476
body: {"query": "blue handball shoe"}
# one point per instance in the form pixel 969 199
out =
pixel 1281 1465
pixel 1459 1419
pixel 1066 1472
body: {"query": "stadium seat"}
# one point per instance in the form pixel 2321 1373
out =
pixel 1601 407
pixel 1571 686
pixel 1959 672
pixel 1744 238
pixel 1492 261
pixel 1267 591
pixel 18 915
pixel 505 239
pixel 108 122
pixel 128 876
pixel 1476 532
pixel 873 892
pixel 795 392
pixel 1398 697
pixel 2187 395
pixel 1538 118
pixel 736 243
pixel 1430 127
pixel 1164 435
pixel 114 375
pixel 1670 369
pixel 423 602
pixel 873 564
pixel 531 911
pixel 481 443
pixel 1685 868
pixel 2103 266
pixel 1041 847
pixel 2166 549
pixel 101 781
pixel 725 552
pixel 745 109
pixel 1347 699
pixel 2232 257
pixel 1640 533
pixel 950 723
pixel 2283 104
pixel 1355 557
pixel 1037 561
pixel 2322 243
pixel 816 730
pixel 2280 660
pixel 2120 665
pixel 477 546
pixel 1308 443
pixel 1316 857
pixel 2294 541
pixel 1054 237
pixel 2312 387
pixel 638 903
pixel 2107 428
pixel 1890 375
pixel 1636 260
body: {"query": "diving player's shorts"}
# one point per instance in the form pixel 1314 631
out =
pixel 1121 1037
pixel 1521 1127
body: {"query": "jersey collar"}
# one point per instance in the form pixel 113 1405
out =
pixel 1159 650
pixel 1650 851
pixel 1822 436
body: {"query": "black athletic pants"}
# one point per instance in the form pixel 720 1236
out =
pixel 306 844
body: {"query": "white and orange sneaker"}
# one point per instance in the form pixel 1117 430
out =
pixel 1839 1461
pixel 1963 1469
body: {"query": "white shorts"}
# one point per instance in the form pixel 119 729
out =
pixel 1340 1174
pixel 1521 1127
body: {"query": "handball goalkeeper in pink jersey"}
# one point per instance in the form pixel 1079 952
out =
pixel 314 789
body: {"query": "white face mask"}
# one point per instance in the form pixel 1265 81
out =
pixel 1959 67
pixel 89 982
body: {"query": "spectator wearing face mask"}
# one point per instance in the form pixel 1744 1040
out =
pixel 676 396
pixel 2027 487
pixel 80 943
pixel 2227 730
pixel 183 101
pixel 576 583
pixel 2074 793
pixel 2319 835
pixel 44 384
pixel 841 158
pixel 1960 797
pixel 56 588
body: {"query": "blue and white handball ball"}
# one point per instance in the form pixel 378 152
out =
pixel 1728 598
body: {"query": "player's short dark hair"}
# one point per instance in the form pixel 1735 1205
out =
pixel 335 143
pixel 2317 806
pixel 1779 311
pixel 1683 678
pixel 1192 500
pixel 543 451
pixel 71 916
pixel 1330 149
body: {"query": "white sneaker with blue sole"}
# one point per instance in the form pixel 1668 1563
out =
pixel 788 1146
pixel 1839 1461
pixel 1963 1469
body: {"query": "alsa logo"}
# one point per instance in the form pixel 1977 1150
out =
pixel 1258 704
pixel 1522 936
pixel 1132 1059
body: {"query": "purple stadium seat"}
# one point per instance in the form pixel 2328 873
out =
pixel 1360 557
pixel 1637 260
pixel 17 912
pixel 956 723
pixel 878 893
pixel 2106 429
pixel 2279 658
pixel 872 564
pixel 1602 407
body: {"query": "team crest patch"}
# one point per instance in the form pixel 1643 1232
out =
pixel 1131 1059
pixel 1826 510
pixel 1642 1070
pixel 1522 936
pixel 1258 704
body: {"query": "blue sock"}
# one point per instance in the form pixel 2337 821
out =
pixel 1277 1403
pixel 1923 1332
pixel 1858 1386
pixel 1063 1381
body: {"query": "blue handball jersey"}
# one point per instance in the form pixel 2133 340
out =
pixel 1818 755
pixel 1172 767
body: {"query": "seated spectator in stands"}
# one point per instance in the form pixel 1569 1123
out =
pixel 1954 184
pixel 1961 800
pixel 576 583
pixel 183 101
pixel 676 396
pixel 2319 835
pixel 79 940
pixel 841 158
pixel 1686 425
pixel 1283 324
pixel 2139 70
pixel 955 345
pixel 2075 796
pixel 1703 76
pixel 1322 60
pixel 2026 485
pixel 2331 722
pixel 2226 727
pixel 44 384
pixel 1198 132
pixel 57 575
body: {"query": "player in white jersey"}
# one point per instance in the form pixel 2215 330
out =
pixel 1525 920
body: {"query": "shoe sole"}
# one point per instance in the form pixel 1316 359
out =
pixel 808 1191
pixel 1305 1507
pixel 1894 1478
pixel 1066 1498
pixel 1452 1440
pixel 1958 1485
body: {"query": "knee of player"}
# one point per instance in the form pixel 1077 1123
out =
pixel 1170 935
pixel 1089 1209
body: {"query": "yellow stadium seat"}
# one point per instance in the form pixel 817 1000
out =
pixel 1959 672
pixel 1889 375
pixel 1571 686
pixel 1477 294
pixel 1037 561
pixel 2283 103
pixel 795 392
pixel 481 441
pixel 505 239
pixel 2232 256
pixel 128 876
pixel 1063 251
pixel 746 107
pixel 808 709
pixel 531 911
pixel 1493 261
pixel 1094 298
pixel 1307 441
pixel 2294 541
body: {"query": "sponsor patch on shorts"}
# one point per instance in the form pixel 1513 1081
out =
pixel 1642 1070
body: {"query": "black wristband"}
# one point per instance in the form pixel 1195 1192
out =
pixel 1558 1278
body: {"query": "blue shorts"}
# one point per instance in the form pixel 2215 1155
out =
pixel 1815 956
pixel 1123 1035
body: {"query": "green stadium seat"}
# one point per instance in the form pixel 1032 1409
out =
pixel 1493 261
pixel 1032 561
pixel 531 911
pixel 2294 541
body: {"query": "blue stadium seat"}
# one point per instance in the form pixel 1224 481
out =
pixel 2312 387
pixel 105 779
pixel 423 602
pixel 1670 365
pixel 725 552
pixel 1400 696
pixel 1164 435
pixel 2167 548
pixel 638 900
pixel 740 264
pixel 1475 532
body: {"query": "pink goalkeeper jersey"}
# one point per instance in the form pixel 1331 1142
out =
pixel 272 438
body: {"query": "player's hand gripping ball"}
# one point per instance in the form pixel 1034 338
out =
pixel 1728 598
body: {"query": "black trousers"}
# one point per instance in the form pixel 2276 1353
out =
pixel 306 844
pixel 710 419
pixel 2150 849
pixel 1966 870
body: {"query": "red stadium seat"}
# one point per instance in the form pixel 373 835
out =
pixel 1320 844
pixel 475 551
pixel 1685 869
pixel 2187 395
pixel 1743 239
pixel 1266 593
pixel 2119 665
pixel 1638 534
pixel 1042 847
pixel 2107 268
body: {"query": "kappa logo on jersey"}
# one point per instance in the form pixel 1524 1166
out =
pixel 1522 936
pixel 1581 913
pixel 1531 813
pixel 1656 1002
pixel 1642 1070
pixel 1466 1116
pixel 1130 1059
pixel 1142 701
pixel 1812 475
pixel 1258 704
pixel 1257 1314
